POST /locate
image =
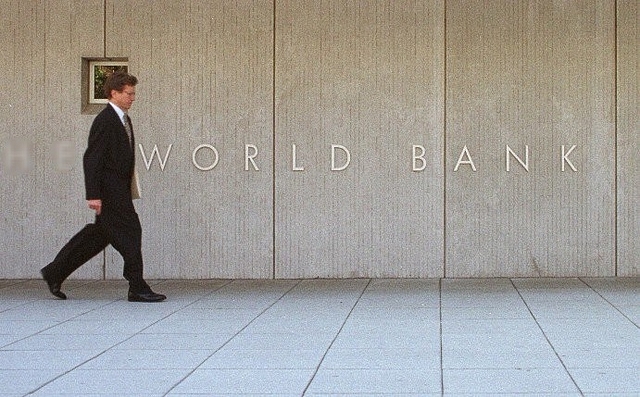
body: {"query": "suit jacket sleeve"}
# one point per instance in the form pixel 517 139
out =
pixel 94 159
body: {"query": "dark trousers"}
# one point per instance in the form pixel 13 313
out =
pixel 122 231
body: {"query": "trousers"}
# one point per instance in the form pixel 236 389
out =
pixel 123 232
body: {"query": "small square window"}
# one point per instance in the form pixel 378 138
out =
pixel 98 72
pixel 94 74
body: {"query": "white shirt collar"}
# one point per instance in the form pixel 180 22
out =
pixel 118 110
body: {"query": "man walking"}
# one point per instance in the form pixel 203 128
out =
pixel 108 166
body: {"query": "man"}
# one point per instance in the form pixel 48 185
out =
pixel 108 166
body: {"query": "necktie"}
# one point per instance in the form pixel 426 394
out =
pixel 127 126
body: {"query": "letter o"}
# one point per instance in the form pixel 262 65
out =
pixel 198 166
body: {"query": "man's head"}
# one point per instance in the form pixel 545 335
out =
pixel 120 88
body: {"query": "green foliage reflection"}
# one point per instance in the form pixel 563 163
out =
pixel 100 73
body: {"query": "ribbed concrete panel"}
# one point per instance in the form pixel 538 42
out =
pixel 42 134
pixel 206 76
pixel 628 138
pixel 368 76
pixel 536 74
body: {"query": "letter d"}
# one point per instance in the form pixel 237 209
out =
pixel 333 158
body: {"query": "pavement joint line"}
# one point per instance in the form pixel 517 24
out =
pixel 609 302
pixel 441 338
pixel 564 366
pixel 195 368
pixel 324 355
pixel 117 344
pixel 57 323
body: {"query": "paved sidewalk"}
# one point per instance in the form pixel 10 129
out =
pixel 568 337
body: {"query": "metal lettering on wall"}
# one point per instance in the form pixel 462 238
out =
pixel 16 157
pixel 341 158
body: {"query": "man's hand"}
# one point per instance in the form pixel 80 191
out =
pixel 95 205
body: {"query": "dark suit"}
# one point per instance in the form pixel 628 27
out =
pixel 108 166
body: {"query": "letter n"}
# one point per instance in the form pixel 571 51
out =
pixel 525 163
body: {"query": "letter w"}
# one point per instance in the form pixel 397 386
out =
pixel 154 153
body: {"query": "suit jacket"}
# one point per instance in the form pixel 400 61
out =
pixel 109 161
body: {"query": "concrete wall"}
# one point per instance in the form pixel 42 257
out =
pixel 368 77
pixel 415 93
pixel 41 187
pixel 628 139
pixel 532 76
pixel 206 72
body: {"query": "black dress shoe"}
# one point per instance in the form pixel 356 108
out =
pixel 149 296
pixel 54 286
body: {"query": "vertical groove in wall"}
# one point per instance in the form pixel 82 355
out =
pixel 444 144
pixel 273 147
pixel 615 138
pixel 104 28
pixel 104 54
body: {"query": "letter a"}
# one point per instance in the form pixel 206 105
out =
pixel 465 152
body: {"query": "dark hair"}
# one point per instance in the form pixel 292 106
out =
pixel 117 81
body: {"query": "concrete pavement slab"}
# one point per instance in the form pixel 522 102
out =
pixel 110 382
pixel 381 358
pixel 246 381
pixel 610 381
pixel 375 381
pixel 464 352
pixel 210 342
pixel 508 381
pixel 62 360
pixel 144 358
pixel 23 381
pixel 289 358
pixel 450 337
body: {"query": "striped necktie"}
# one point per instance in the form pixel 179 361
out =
pixel 127 126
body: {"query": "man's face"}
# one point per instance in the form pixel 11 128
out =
pixel 123 99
